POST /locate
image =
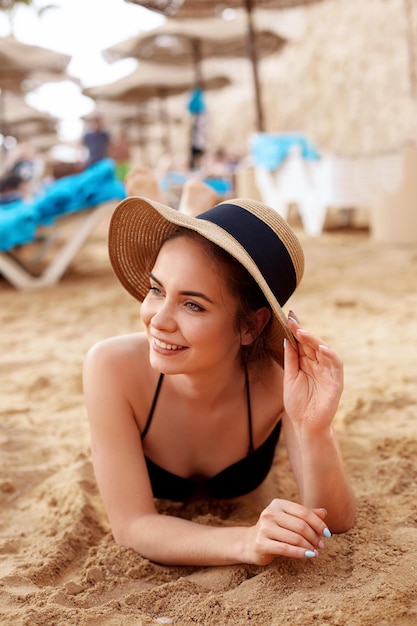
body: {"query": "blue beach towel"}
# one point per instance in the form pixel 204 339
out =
pixel 95 185
pixel 18 224
pixel 270 150
pixel 98 183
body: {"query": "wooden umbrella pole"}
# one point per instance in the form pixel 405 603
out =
pixel 196 53
pixel 254 62
pixel 142 136
pixel 2 113
pixel 408 6
pixel 3 129
pixel 164 121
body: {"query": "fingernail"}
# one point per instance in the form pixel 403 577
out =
pixel 285 342
pixel 309 554
pixel 327 533
pixel 292 319
pixel 321 544
pixel 323 509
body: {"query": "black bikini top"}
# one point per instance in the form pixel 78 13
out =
pixel 237 479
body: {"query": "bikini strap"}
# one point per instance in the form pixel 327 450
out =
pixel 251 448
pixel 248 402
pixel 151 412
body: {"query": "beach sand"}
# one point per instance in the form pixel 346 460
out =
pixel 59 563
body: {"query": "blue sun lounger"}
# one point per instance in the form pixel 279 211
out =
pixel 84 198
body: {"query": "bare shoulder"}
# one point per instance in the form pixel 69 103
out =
pixel 119 368
pixel 119 344
pixel 120 352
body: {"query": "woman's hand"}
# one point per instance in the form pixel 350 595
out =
pixel 287 529
pixel 313 379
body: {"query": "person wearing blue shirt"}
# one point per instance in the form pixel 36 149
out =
pixel 96 140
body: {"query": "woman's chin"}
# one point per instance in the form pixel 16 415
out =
pixel 167 362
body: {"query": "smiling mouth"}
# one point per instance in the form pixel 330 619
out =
pixel 167 346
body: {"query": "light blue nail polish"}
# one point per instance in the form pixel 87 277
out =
pixel 327 533
pixel 309 554
pixel 285 342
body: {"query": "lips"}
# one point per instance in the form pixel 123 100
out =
pixel 167 346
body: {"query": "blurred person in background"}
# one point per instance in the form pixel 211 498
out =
pixel 120 152
pixel 96 140
pixel 198 138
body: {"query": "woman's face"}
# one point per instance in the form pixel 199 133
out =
pixel 189 315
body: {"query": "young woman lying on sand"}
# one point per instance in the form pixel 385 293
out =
pixel 195 405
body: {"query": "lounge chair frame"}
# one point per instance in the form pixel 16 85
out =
pixel 20 274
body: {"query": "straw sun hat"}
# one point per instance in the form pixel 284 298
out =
pixel 250 231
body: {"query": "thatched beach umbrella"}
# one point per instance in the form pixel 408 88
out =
pixel 24 67
pixel 22 117
pixel 120 113
pixel 27 124
pixel 188 42
pixel 18 61
pixel 207 8
pixel 410 42
pixel 150 81
pixel 188 9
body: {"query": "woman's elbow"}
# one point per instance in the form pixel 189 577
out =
pixel 124 534
pixel 130 533
pixel 121 537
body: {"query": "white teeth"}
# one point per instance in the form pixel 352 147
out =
pixel 166 346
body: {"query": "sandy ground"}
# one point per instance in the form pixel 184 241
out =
pixel 58 562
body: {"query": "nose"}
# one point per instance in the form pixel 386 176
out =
pixel 163 317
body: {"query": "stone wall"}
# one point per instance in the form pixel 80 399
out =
pixel 343 79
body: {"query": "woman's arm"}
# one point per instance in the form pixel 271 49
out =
pixel 284 528
pixel 313 383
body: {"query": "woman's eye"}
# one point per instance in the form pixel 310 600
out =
pixel 154 290
pixel 194 307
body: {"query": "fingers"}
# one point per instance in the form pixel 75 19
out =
pixel 321 512
pixel 292 530
pixel 310 346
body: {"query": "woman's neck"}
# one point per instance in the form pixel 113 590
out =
pixel 211 386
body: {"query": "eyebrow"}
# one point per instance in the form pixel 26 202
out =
pixel 194 294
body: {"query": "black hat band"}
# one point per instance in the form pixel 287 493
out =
pixel 261 243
